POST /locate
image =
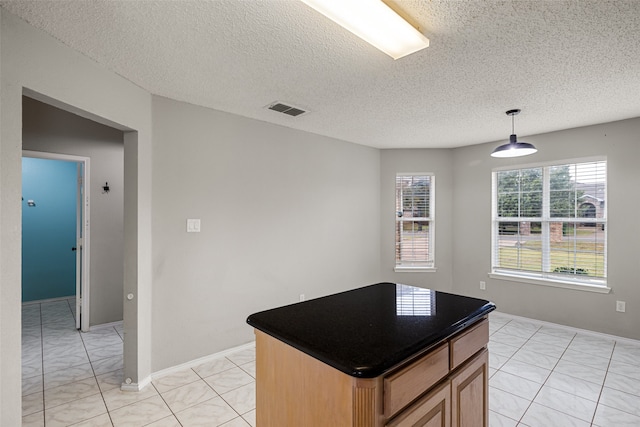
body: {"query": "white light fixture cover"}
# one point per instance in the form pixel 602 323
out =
pixel 374 22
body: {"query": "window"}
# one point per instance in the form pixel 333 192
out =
pixel 414 221
pixel 550 223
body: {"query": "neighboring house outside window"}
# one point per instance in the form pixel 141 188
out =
pixel 550 223
pixel 414 221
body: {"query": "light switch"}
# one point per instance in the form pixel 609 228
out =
pixel 193 225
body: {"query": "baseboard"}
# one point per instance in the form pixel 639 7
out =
pixel 106 325
pixel 570 328
pixel 167 371
pixel 139 386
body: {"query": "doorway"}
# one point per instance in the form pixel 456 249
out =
pixel 134 209
pixel 55 231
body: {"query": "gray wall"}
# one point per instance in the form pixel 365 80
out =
pixel 265 248
pixel 620 143
pixel 439 162
pixel 283 213
pixel 49 129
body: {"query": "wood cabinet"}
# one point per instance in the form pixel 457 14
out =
pixel 433 410
pixel 469 400
pixel 441 387
pixel 460 401
pixel 408 383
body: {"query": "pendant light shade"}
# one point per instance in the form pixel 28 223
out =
pixel 514 148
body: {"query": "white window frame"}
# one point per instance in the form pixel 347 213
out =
pixel 429 264
pixel 544 278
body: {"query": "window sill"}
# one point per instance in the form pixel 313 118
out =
pixel 552 283
pixel 409 269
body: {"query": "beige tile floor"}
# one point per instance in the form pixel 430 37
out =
pixel 541 375
pixel 73 379
pixel 545 375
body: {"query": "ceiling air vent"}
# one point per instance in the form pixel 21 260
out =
pixel 286 109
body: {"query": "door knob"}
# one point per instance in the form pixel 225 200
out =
pixel 73 248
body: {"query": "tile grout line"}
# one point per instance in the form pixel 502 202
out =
pixel 499 369
pixel 593 418
pixel 547 379
pixel 166 403
pixel 95 377
pixel 201 378
pixel 623 391
pixel 606 371
pixel 225 400
pixel 550 370
pixel 510 358
pixel 220 395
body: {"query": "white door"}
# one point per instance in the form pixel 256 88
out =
pixel 82 232
pixel 78 247
pixel 82 248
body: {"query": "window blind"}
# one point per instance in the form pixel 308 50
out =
pixel 414 220
pixel 550 222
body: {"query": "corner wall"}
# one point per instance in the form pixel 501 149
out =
pixel 283 213
pixel 438 162
pixel 620 143
pixel 35 63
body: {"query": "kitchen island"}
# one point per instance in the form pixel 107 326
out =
pixel 382 355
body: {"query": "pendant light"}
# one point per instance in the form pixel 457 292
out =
pixel 514 148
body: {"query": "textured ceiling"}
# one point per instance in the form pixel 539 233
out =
pixel 564 63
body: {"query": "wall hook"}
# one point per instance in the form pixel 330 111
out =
pixel 105 188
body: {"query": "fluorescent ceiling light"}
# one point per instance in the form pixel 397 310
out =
pixel 374 22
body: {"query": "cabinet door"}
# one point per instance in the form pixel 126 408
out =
pixel 433 410
pixel 469 389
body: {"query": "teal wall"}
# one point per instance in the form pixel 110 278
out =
pixel 48 229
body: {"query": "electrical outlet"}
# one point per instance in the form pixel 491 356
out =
pixel 621 306
pixel 302 297
pixel 483 285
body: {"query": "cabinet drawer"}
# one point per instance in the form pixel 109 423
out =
pixel 434 409
pixel 402 387
pixel 468 343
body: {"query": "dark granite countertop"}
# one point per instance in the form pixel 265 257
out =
pixel 366 331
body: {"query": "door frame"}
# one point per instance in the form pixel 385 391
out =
pixel 83 276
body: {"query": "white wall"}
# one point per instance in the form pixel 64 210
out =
pixel 283 213
pixel 49 129
pixel 439 162
pixel 35 63
pixel 620 143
